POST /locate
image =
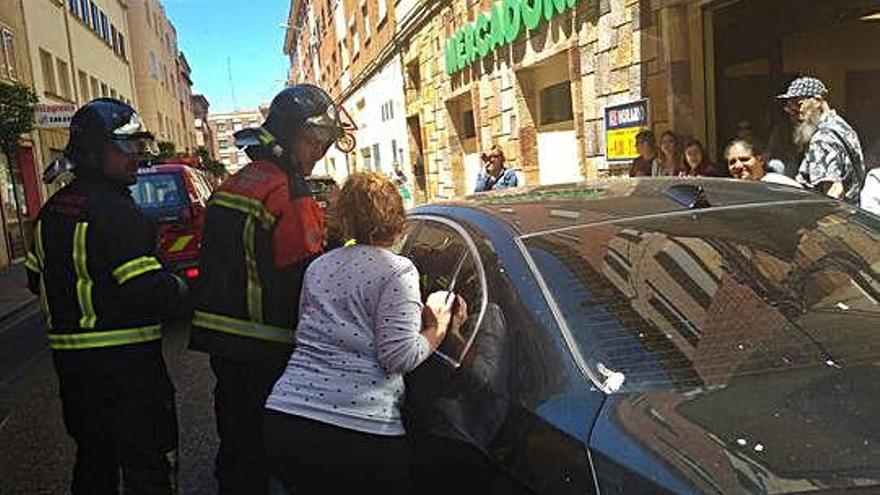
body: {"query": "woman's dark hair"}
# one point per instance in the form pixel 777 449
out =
pixel 705 167
pixel 755 146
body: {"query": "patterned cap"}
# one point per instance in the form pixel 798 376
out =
pixel 804 87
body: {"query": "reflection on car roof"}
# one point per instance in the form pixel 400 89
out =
pixel 529 210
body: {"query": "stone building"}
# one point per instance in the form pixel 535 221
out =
pixel 546 79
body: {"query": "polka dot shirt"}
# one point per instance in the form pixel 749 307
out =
pixel 358 333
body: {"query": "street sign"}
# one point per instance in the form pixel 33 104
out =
pixel 53 116
pixel 622 123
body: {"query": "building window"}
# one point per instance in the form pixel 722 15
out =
pixel 113 93
pixel 96 88
pixel 382 12
pixel 73 5
pixel 105 28
pixel 388 110
pixel 377 161
pixel 63 79
pixel 8 62
pixel 366 14
pixel 355 41
pixel 48 72
pixel 84 10
pixel 556 103
pixel 469 129
pixel 154 66
pixel 114 39
pixel 96 19
pixel 122 46
pixel 105 92
pixel 83 86
pixel 236 126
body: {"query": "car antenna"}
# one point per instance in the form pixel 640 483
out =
pixel 690 196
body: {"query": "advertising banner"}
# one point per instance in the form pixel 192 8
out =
pixel 622 123
pixel 54 116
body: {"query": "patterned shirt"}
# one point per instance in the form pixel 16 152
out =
pixel 359 332
pixel 486 182
pixel 827 158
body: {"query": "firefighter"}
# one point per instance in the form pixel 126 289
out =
pixel 105 296
pixel 262 228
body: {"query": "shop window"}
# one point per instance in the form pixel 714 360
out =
pixel 8 61
pixel 468 127
pixel 556 104
pixel 48 72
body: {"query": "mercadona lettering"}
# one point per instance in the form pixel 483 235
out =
pixel 503 25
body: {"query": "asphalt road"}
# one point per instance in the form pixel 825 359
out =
pixel 36 455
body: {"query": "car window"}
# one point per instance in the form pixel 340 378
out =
pixel 158 191
pixel 203 190
pixel 700 298
pixel 445 260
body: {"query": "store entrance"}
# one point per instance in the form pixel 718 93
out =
pixel 760 46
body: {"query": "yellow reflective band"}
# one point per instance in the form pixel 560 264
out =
pixel 83 280
pixel 242 328
pixel 109 338
pixel 180 243
pixel 350 243
pixel 41 257
pixel 135 268
pixel 254 286
pixel 32 263
pixel 245 205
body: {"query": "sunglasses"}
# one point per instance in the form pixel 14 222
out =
pixel 741 159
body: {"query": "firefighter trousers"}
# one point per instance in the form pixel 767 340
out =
pixel 123 421
pixel 239 396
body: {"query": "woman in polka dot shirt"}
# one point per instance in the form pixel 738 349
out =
pixel 332 422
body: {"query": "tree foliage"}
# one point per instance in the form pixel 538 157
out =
pixel 215 168
pixel 17 104
pixel 167 150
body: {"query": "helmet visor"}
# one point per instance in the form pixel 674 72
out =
pixel 141 144
pixel 325 127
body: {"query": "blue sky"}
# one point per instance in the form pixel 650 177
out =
pixel 245 32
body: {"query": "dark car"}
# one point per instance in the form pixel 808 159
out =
pixel 650 337
pixel 174 196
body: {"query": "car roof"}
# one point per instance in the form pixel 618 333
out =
pixel 166 167
pixel 535 209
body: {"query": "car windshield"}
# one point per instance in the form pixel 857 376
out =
pixel 158 191
pixel 696 299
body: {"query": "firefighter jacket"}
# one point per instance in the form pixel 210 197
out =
pixel 261 229
pixel 93 264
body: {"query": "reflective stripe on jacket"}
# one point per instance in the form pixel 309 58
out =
pixel 261 229
pixel 94 267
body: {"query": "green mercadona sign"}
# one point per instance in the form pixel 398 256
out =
pixel 503 25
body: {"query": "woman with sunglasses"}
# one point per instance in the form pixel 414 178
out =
pixel 746 160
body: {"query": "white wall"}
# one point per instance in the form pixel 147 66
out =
pixel 557 151
pixel 384 86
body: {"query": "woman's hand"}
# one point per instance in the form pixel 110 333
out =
pixel 436 316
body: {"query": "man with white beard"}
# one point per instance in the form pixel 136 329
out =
pixel 833 162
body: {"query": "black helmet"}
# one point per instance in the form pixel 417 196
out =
pixel 106 120
pixel 98 122
pixel 304 108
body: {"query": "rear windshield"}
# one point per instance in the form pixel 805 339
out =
pixel 697 299
pixel 158 191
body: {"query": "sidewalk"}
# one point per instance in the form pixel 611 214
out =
pixel 14 294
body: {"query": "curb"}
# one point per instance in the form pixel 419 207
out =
pixel 18 309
